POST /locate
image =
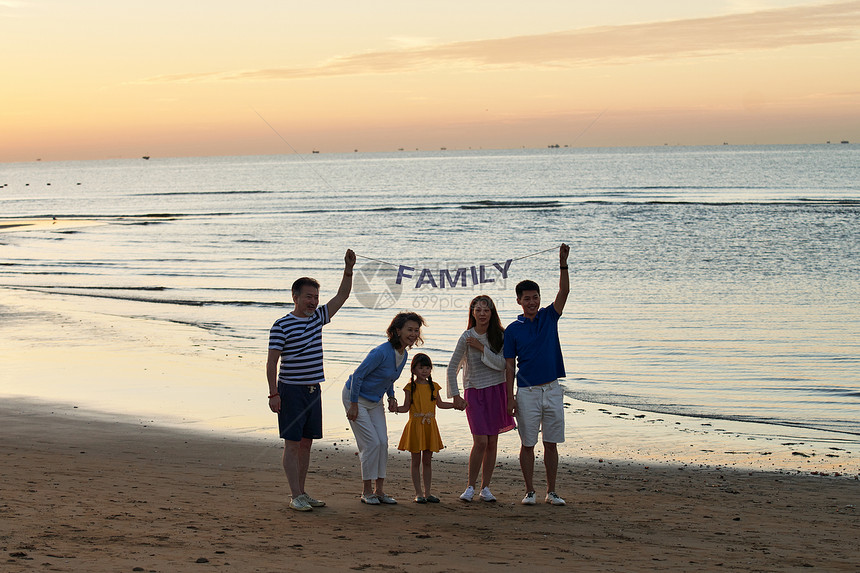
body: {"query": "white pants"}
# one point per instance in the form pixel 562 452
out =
pixel 371 436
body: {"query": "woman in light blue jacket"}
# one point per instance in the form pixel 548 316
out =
pixel 362 399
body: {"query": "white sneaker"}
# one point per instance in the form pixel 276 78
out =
pixel 468 494
pixel 313 502
pixel 552 498
pixel 529 499
pixel 486 495
pixel 300 504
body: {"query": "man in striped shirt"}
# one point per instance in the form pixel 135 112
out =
pixel 295 341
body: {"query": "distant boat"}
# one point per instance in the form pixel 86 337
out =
pixel 146 157
pixel 845 141
pixel 314 151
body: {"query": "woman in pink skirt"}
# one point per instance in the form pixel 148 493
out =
pixel 479 355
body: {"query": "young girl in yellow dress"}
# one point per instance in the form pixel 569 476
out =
pixel 421 434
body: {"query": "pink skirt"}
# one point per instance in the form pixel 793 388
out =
pixel 487 411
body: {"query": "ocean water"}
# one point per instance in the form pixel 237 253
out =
pixel 718 282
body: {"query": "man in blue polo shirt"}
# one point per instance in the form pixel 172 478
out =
pixel 533 356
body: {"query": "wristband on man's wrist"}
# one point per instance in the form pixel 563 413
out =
pixel 563 267
pixel 273 395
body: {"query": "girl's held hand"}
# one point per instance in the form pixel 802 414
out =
pixel 352 413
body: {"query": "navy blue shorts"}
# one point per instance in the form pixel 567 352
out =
pixel 301 412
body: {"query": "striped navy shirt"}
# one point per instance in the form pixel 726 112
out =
pixel 300 342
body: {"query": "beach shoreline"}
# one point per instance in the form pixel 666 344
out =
pixel 176 375
pixel 79 492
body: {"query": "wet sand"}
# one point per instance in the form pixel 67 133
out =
pixel 79 492
pixel 160 372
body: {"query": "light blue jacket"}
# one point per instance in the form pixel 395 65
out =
pixel 376 374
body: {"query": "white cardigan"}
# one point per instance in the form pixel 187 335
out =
pixel 480 369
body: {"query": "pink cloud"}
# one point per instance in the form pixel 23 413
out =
pixel 608 45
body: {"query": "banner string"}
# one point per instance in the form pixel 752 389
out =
pixel 533 254
pixel 515 259
pixel 302 157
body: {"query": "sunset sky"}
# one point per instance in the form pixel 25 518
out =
pixel 90 79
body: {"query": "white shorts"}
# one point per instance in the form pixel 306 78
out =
pixel 540 409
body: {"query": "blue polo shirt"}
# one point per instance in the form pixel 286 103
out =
pixel 535 345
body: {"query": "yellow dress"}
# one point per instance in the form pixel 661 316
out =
pixel 421 431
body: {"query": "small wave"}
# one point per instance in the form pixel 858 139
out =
pixel 139 218
pixel 492 204
pixel 71 291
pixel 438 207
pixel 206 193
pixel 169 216
pixel 830 201
pixel 624 199
pixel 838 392
pixel 779 203
pixel 54 287
pixel 689 187
pixel 846 391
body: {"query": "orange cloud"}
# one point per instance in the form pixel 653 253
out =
pixel 609 45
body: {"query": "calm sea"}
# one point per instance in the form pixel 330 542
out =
pixel 714 281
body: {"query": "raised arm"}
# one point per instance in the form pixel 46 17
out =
pixel 345 284
pixel 563 280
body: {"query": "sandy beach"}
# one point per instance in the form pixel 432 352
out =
pixel 90 493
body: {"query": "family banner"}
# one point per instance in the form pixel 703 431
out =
pixel 381 285
pixel 463 276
